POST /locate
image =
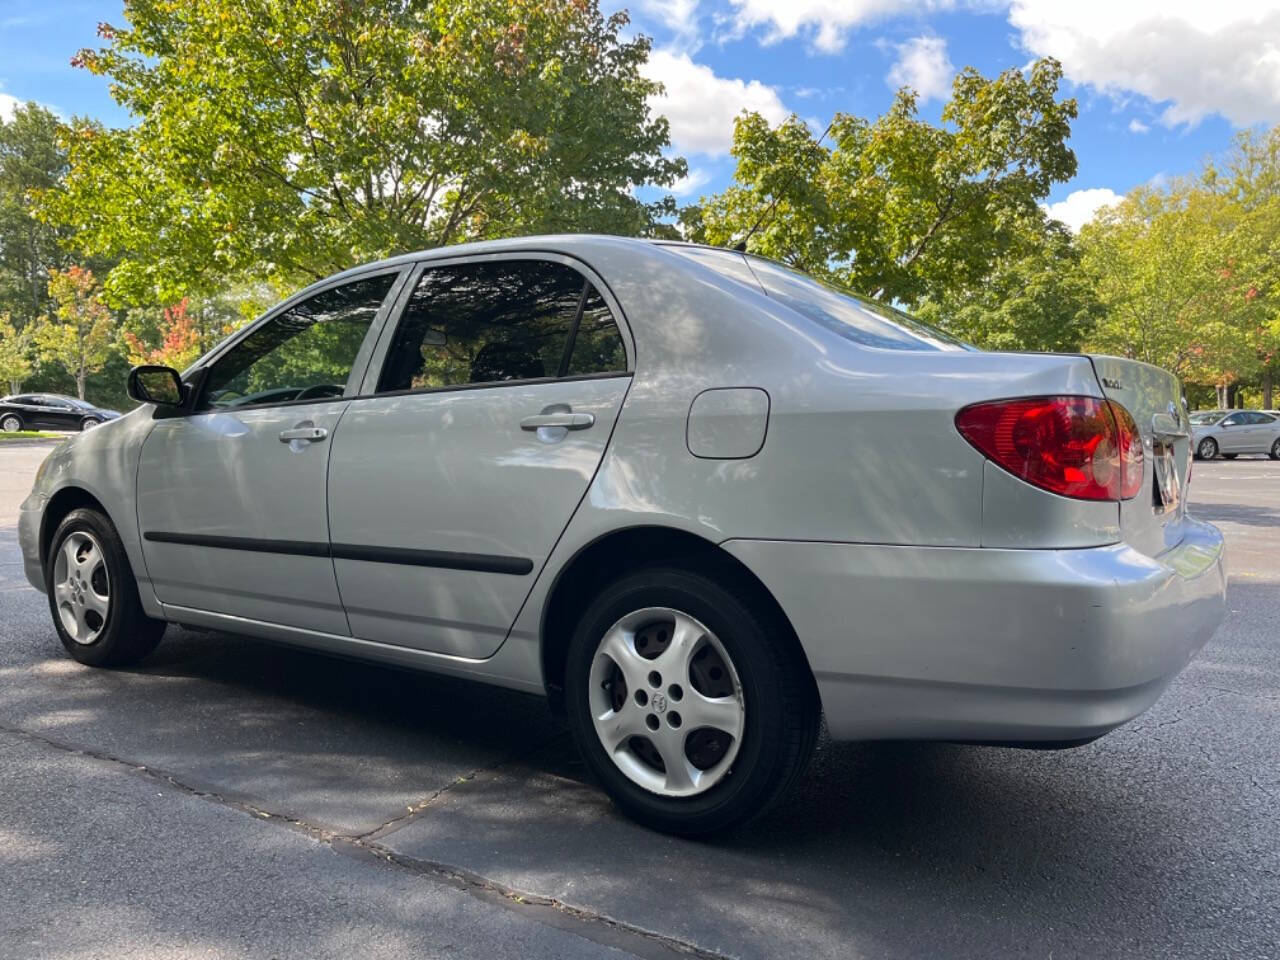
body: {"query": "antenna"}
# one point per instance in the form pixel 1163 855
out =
pixel 741 245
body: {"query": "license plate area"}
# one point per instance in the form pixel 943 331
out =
pixel 1166 486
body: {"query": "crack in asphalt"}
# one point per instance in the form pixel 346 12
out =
pixel 415 810
pixel 592 926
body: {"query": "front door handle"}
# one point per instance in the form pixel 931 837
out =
pixel 570 421
pixel 313 434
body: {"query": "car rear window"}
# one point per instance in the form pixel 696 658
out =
pixel 831 306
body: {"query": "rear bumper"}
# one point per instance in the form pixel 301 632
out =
pixel 1010 646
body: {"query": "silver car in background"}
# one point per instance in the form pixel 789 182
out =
pixel 1230 433
pixel 696 498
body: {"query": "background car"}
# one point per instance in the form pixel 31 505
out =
pixel 1236 432
pixel 50 411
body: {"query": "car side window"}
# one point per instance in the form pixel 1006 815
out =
pixel 305 353
pixel 496 321
pixel 597 345
pixel 1233 421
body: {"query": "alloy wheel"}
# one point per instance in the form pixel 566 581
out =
pixel 82 587
pixel 1208 449
pixel 10 424
pixel 666 702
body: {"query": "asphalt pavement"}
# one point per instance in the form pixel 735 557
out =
pixel 231 798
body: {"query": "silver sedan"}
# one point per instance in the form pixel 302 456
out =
pixel 697 499
pixel 1232 432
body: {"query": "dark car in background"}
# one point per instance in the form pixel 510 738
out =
pixel 50 411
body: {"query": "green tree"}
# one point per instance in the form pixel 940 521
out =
pixel 900 207
pixel 31 161
pixel 15 355
pixel 1162 264
pixel 285 139
pixel 1036 297
pixel 80 339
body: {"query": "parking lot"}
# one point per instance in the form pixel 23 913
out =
pixel 233 798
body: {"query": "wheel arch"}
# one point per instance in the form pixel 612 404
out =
pixel 60 504
pixel 616 552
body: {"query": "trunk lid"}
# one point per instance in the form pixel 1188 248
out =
pixel 1152 521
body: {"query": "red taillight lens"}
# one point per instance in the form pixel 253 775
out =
pixel 1078 447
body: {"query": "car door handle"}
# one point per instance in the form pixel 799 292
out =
pixel 313 434
pixel 571 421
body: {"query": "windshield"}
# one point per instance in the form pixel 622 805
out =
pixel 830 305
pixel 1211 416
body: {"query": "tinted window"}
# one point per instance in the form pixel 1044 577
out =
pixel 831 306
pixel 304 353
pixel 494 321
pixel 1233 421
pixel 597 346
pixel 866 322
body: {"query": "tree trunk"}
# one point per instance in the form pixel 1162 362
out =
pixel 1266 391
pixel 1222 395
pixel 1233 394
pixel 80 378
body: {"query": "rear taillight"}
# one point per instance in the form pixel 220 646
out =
pixel 1078 447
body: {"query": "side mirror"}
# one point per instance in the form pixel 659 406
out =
pixel 154 384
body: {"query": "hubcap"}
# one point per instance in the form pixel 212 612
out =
pixel 1206 450
pixel 666 702
pixel 10 425
pixel 81 587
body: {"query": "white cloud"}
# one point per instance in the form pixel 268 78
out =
pixel 828 21
pixel 679 17
pixel 923 66
pixel 7 105
pixel 701 106
pixel 692 182
pixel 1080 206
pixel 1137 126
pixel 1204 58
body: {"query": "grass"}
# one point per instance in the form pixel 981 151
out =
pixel 29 435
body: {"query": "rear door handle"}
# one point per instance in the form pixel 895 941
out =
pixel 571 421
pixel 313 434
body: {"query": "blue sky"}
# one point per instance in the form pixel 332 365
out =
pixel 1162 84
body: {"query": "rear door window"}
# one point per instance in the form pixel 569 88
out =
pixel 498 321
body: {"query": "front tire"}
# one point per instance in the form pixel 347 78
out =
pixel 1275 450
pixel 687 701
pixel 93 595
pixel 10 423
pixel 1207 448
pixel 88 423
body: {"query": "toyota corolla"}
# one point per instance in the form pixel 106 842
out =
pixel 698 499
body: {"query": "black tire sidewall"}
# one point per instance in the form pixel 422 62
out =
pixel 752 778
pixel 115 643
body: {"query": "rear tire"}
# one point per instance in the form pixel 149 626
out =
pixel 1275 450
pixel 723 663
pixel 88 423
pixel 1207 448
pixel 10 423
pixel 93 595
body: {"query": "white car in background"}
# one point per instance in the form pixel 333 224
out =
pixel 697 498
pixel 1230 433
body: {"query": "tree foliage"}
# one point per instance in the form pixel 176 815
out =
pixel 899 207
pixel 80 340
pixel 15 354
pixel 31 161
pixel 291 138
pixel 1036 296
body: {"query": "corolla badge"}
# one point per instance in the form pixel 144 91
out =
pixel 1111 383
